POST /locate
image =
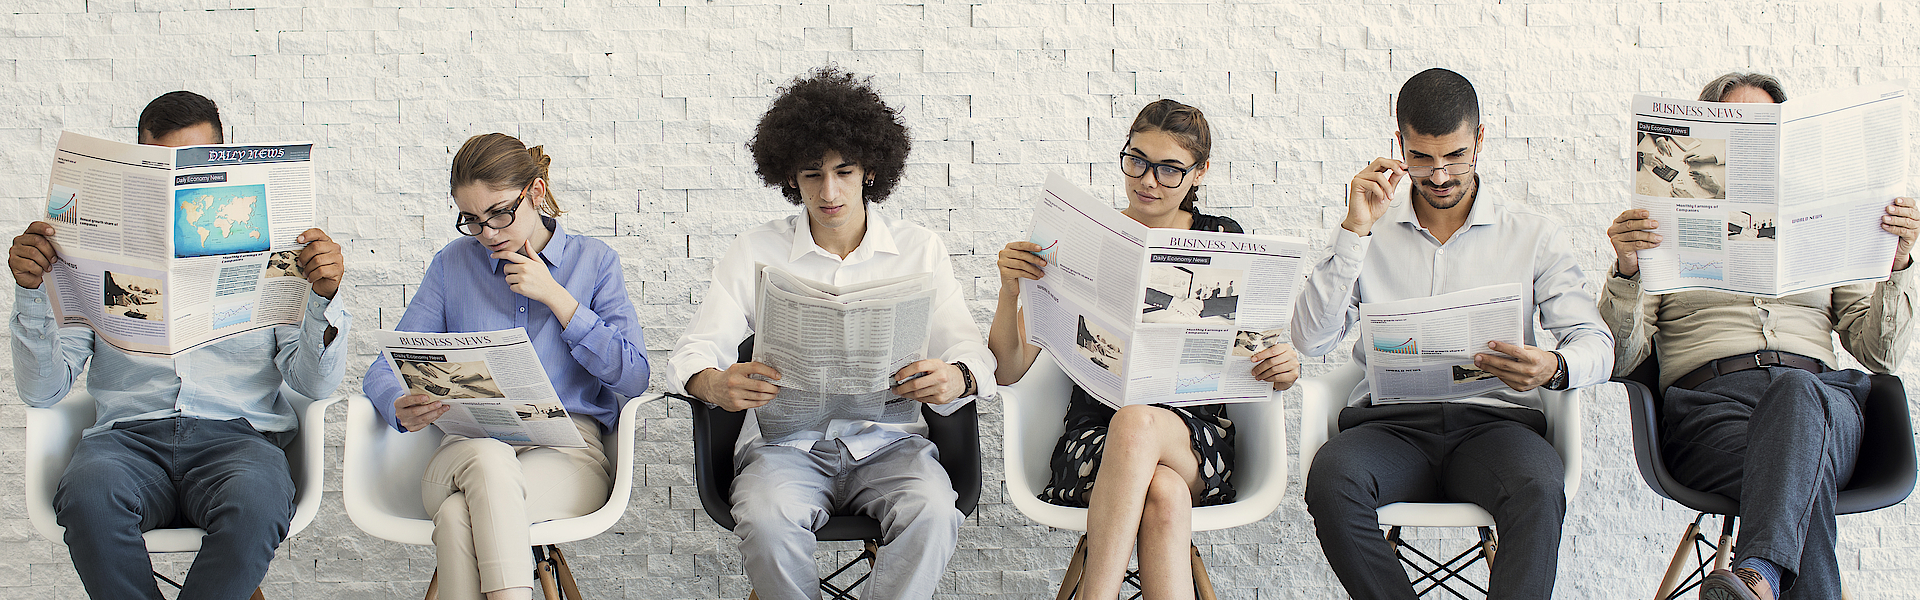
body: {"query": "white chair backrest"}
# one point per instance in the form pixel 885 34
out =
pixel 1034 410
pixel 53 432
pixel 1323 396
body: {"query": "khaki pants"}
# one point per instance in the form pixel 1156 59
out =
pixel 484 494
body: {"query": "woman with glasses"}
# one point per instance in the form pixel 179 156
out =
pixel 516 267
pixel 1161 461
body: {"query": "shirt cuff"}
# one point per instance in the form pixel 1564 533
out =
pixel 584 322
pixel 1624 288
pixel 31 302
pixel 331 312
pixel 1350 246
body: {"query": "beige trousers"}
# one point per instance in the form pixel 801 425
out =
pixel 484 494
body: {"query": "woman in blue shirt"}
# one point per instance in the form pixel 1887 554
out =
pixel 517 267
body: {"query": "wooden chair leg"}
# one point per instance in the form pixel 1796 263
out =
pixel 752 595
pixel 567 584
pixel 1677 568
pixel 1202 584
pixel 257 595
pixel 1070 583
pixel 1724 555
pixel 543 570
pixel 433 586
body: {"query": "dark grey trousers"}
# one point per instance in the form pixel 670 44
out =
pixel 1497 458
pixel 1781 441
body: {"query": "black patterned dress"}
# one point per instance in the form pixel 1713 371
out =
pixel 1077 457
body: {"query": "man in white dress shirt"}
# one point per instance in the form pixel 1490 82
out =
pixel 833 147
pixel 1488 449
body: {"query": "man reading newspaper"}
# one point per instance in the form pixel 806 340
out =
pixel 1486 448
pixel 833 147
pixel 190 440
pixel 1753 406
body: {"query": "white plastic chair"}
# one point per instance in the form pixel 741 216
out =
pixel 382 490
pixel 53 432
pixel 1035 409
pixel 1322 399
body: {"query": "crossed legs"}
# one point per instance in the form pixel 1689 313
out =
pixel 1142 496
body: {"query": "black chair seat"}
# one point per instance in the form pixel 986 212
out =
pixel 1883 476
pixel 715 430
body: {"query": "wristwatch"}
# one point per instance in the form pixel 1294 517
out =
pixel 1559 380
pixel 966 379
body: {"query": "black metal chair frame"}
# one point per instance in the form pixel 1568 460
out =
pixel 1441 575
pixel 715 430
pixel 1883 476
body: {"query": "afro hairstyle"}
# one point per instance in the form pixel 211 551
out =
pixel 829 109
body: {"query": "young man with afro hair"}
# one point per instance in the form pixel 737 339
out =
pixel 834 148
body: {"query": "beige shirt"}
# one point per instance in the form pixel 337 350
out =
pixel 1875 322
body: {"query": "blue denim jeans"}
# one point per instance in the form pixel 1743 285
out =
pixel 221 476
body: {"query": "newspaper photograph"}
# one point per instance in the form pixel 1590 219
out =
pixel 493 381
pixel 162 250
pixel 1421 350
pixel 1192 306
pixel 1769 199
pixel 837 348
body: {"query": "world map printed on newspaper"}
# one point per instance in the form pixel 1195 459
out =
pixel 220 220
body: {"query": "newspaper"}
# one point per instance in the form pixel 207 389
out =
pixel 1137 315
pixel 162 250
pixel 493 380
pixel 837 348
pixel 1769 199
pixel 1421 350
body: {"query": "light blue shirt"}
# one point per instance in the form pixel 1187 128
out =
pixel 597 362
pixel 1402 260
pixel 235 378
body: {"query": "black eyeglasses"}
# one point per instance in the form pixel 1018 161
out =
pixel 1455 169
pixel 1133 165
pixel 501 219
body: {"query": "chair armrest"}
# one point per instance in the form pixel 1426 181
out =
pixel 307 460
pixel 714 432
pixel 51 435
pixel 1885 473
pixel 1321 399
pixel 958 438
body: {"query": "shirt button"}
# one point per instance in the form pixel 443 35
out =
pixel 523 309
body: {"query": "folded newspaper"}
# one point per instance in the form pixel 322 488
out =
pixel 1421 350
pixel 492 379
pixel 1769 199
pixel 162 250
pixel 1137 315
pixel 837 348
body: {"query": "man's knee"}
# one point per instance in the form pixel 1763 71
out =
pixel 1336 481
pixel 776 517
pixel 97 489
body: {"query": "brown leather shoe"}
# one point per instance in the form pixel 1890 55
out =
pixel 1738 584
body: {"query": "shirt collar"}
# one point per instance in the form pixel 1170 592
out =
pixel 556 245
pixel 879 238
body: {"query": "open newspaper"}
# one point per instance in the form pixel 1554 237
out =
pixel 1769 199
pixel 837 348
pixel 163 249
pixel 1421 350
pixel 492 379
pixel 1137 315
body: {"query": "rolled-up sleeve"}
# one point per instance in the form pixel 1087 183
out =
pixel 309 364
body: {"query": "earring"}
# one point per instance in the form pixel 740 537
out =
pixel 869 183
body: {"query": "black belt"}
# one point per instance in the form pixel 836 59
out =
pixel 1742 362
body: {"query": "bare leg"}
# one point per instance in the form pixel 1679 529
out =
pixel 1141 440
pixel 1166 533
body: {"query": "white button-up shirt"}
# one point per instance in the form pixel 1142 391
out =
pixel 1402 260
pixel 890 249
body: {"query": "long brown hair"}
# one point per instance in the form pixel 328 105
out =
pixel 500 161
pixel 1188 126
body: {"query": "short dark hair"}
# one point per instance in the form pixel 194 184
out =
pixel 1436 102
pixel 174 111
pixel 829 109
pixel 1722 85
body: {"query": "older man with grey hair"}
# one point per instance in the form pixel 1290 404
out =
pixel 1754 409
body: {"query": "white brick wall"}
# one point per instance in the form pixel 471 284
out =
pixel 646 104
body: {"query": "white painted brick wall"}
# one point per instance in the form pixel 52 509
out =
pixel 646 105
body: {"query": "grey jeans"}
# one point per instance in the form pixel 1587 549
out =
pixel 1782 442
pixel 1497 458
pixel 783 494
